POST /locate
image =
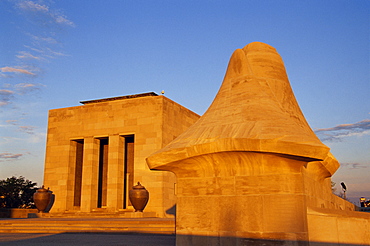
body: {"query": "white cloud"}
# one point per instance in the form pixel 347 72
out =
pixel 5 96
pixel 354 165
pixel 32 6
pixel 15 70
pixel 23 88
pixel 49 40
pixel 27 129
pixel 50 15
pixel 34 49
pixel 9 156
pixel 44 52
pixel 338 132
pixel 27 55
pixel 50 53
pixel 25 85
pixel 6 92
pixel 12 122
pixel 62 20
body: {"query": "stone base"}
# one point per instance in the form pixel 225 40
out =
pixel 140 215
pixel 36 215
pixel 15 212
pixel 126 214
pixel 89 225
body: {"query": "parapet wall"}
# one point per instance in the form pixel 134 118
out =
pixel 341 204
pixel 318 187
pixel 16 212
pixel 327 226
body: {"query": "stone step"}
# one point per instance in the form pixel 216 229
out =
pixel 65 225
pixel 95 214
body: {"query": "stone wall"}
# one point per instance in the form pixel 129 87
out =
pixel 16 212
pixel 152 121
pixel 338 227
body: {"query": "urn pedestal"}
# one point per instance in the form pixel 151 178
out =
pixel 139 197
pixel 42 198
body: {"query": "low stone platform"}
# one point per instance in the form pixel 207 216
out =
pixel 88 225
pixel 94 214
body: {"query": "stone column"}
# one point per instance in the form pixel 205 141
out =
pixel 71 175
pixel 115 173
pixel 90 172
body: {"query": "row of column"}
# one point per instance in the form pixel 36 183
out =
pixel 101 166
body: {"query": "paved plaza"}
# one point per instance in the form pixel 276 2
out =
pixel 90 239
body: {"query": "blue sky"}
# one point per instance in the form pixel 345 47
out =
pixel 54 54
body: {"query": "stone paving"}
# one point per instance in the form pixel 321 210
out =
pixel 91 239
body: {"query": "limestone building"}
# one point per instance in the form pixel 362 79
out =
pixel 96 152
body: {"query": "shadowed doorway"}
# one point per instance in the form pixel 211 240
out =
pixel 128 168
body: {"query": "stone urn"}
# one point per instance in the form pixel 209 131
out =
pixel 42 198
pixel 139 197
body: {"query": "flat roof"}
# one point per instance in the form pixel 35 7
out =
pixel 147 94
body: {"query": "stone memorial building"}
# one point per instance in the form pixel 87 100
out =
pixel 250 171
pixel 96 152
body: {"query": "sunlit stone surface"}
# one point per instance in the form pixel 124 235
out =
pixel 251 170
pixel 96 152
